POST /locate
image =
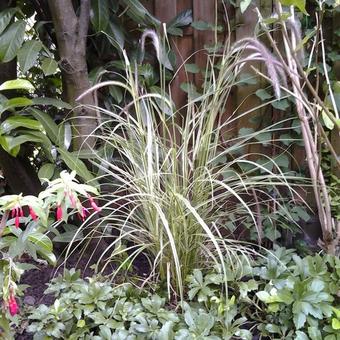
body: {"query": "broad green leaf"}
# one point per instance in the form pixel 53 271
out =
pixel 264 137
pixel 115 34
pixel 46 171
pixel 263 296
pixel 244 5
pixel 317 285
pixel 327 121
pixel 6 16
pixel 281 104
pixel 13 122
pixel 116 93
pixel 17 84
pixel 300 336
pixel 76 165
pixel 11 40
pixel 300 4
pixel 49 66
pixel 190 89
pixel 34 137
pixel 81 323
pixel 48 123
pixel 15 102
pixel 247 79
pixel 245 132
pixel 28 54
pixel 282 161
pixel 4 143
pixel 335 324
pixel 201 25
pixel 271 328
pixel 299 320
pixel 59 104
pixel 100 14
pixel 40 239
pixel 137 12
pixel 314 333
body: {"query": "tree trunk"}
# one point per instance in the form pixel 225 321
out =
pixel 71 33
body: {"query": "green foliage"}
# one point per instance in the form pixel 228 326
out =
pixel 102 311
pixel 280 295
pixel 61 194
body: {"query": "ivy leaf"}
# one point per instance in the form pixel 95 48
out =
pixel 28 54
pixel 201 25
pixel 263 94
pixel 300 4
pixel 281 104
pixel 191 68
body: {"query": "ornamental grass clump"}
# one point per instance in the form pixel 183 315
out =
pixel 174 185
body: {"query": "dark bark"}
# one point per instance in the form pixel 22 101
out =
pixel 71 33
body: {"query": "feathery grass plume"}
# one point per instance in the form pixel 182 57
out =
pixel 155 41
pixel 274 67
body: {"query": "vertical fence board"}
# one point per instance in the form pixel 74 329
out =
pixel 203 10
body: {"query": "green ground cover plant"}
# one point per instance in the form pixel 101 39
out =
pixel 277 296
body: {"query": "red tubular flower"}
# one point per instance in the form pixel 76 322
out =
pixel 17 221
pixel 33 214
pixel 13 306
pixel 16 213
pixel 93 204
pixel 59 213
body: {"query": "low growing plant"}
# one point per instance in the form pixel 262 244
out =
pixel 277 296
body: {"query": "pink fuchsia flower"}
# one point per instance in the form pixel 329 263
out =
pixel 17 212
pixel 13 306
pixel 72 200
pixel 59 213
pixel 84 213
pixel 12 303
pixel 93 204
pixel 33 214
